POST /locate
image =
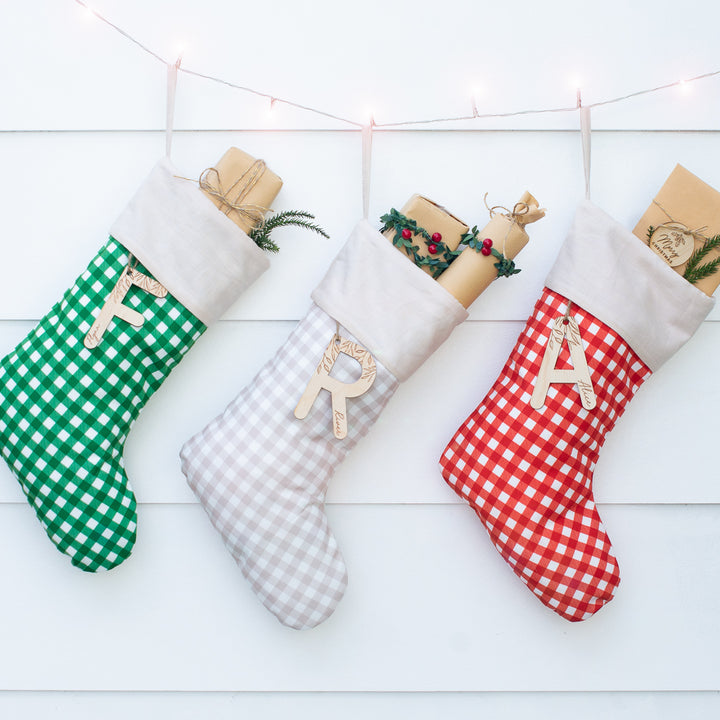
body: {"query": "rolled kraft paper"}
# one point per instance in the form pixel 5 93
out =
pixel 231 167
pixel 472 272
pixel 433 218
pixel 693 203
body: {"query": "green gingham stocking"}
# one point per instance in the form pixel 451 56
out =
pixel 66 410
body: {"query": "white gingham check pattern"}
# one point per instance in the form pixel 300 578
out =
pixel 65 411
pixel 528 473
pixel 261 475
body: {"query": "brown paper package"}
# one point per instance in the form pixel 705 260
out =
pixel 472 272
pixel 231 167
pixel 693 203
pixel 434 218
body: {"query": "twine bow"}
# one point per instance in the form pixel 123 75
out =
pixel 698 233
pixel 231 200
pixel 519 209
pixel 522 213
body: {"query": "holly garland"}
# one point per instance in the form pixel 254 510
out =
pixel 504 266
pixel 440 255
pixel 406 228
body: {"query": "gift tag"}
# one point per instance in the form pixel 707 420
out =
pixel 339 391
pixel 565 328
pixel 673 242
pixel 113 306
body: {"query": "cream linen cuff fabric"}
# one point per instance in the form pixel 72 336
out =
pixel 193 249
pixel 393 308
pixel 610 273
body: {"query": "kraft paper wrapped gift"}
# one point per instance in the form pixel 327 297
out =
pixel 686 200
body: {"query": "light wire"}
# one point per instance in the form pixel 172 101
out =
pixel 401 123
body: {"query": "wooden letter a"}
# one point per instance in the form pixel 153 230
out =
pixel 565 328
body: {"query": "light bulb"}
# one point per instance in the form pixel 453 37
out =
pixel 475 93
pixel 179 48
pixel 576 81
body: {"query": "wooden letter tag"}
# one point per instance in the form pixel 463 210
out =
pixel 673 242
pixel 338 390
pixel 564 328
pixel 113 306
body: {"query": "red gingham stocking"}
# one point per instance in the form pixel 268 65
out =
pixel 528 473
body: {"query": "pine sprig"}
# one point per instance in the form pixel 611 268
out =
pixel 693 270
pixel 261 234
pixel 703 271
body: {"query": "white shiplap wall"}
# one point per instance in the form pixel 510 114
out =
pixel 433 624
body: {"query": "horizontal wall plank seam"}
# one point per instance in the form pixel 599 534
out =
pixel 343 693
pixel 569 131
pixel 387 503
pixel 268 321
pixel 160 691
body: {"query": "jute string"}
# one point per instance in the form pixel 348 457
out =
pixel 519 209
pixel 697 233
pixel 233 199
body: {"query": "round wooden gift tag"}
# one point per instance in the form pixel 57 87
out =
pixel 673 243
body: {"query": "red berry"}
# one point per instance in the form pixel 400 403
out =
pixel 485 250
pixel 407 234
pixel 432 248
pixel 487 242
pixel 436 237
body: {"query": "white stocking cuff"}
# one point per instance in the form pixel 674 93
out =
pixel 610 273
pixel 393 308
pixel 192 248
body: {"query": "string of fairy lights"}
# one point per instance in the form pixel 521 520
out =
pixel 370 125
pixel 473 115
